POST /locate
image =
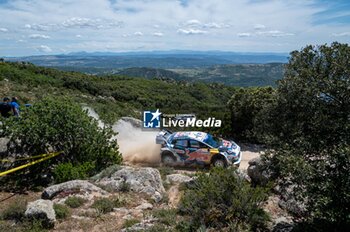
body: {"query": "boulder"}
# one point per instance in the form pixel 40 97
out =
pixel 42 210
pixel 283 227
pixel 142 226
pixel 141 180
pixel 288 200
pixel 177 179
pixel 73 187
pixel 257 172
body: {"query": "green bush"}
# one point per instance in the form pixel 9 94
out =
pixel 75 202
pixel 224 200
pixel 15 211
pixel 61 125
pixel 106 205
pixel 61 211
pixel 66 171
pixel 308 128
pixel 130 222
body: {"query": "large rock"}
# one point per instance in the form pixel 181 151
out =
pixel 73 187
pixel 177 179
pixel 257 172
pixel 42 210
pixel 142 180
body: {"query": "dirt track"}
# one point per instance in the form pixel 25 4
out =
pixel 249 152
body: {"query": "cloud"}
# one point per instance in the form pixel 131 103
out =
pixel 44 48
pixel 195 23
pixel 259 27
pixel 274 33
pixel 2 29
pixel 244 34
pixel 76 22
pixel 38 36
pixel 191 31
pixel 342 34
pixel 78 36
pixel 138 33
pixel 158 34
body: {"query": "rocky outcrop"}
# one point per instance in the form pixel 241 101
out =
pixel 41 210
pixel 257 172
pixel 80 187
pixel 177 179
pixel 141 180
pixel 288 200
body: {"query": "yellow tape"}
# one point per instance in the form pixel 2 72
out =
pixel 46 157
pixel 27 158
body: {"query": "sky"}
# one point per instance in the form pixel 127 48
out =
pixel 43 27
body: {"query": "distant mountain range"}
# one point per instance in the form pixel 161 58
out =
pixel 231 68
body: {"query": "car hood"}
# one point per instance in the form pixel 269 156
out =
pixel 230 147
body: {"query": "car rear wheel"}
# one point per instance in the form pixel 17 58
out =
pixel 168 159
pixel 219 163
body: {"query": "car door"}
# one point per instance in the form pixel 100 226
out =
pixel 198 151
pixel 180 146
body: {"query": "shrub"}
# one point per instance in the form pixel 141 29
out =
pixel 61 211
pixel 166 216
pixel 106 205
pixel 66 171
pixel 75 202
pixel 222 199
pixel 130 222
pixel 309 130
pixel 62 125
pixel 15 211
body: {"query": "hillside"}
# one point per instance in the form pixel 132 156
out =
pixel 242 75
pixel 113 96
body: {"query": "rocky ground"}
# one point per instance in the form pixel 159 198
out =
pixel 126 198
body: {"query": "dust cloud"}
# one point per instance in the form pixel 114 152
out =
pixel 136 145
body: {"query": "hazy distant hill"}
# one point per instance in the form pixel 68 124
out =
pixel 165 60
pixel 234 74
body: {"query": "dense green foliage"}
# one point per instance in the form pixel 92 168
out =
pixel 75 202
pixel 308 125
pixel 61 211
pixel 224 200
pixel 61 126
pixel 246 105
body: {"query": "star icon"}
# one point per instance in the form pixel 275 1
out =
pixel 156 115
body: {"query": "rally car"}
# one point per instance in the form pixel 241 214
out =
pixel 200 148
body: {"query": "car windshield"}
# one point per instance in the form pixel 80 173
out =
pixel 212 141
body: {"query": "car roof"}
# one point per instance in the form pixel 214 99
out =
pixel 197 135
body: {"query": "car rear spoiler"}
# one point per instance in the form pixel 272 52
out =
pixel 163 136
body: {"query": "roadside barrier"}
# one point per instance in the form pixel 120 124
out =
pixel 42 157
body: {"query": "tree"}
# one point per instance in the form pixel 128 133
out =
pixel 308 126
pixel 245 105
pixel 60 125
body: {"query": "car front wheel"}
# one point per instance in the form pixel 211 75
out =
pixel 168 159
pixel 219 163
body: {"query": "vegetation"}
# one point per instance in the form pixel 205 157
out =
pixel 246 105
pixel 75 202
pixel 130 222
pixel 14 211
pixel 309 128
pixel 223 200
pixel 106 205
pixel 61 211
pixel 60 125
